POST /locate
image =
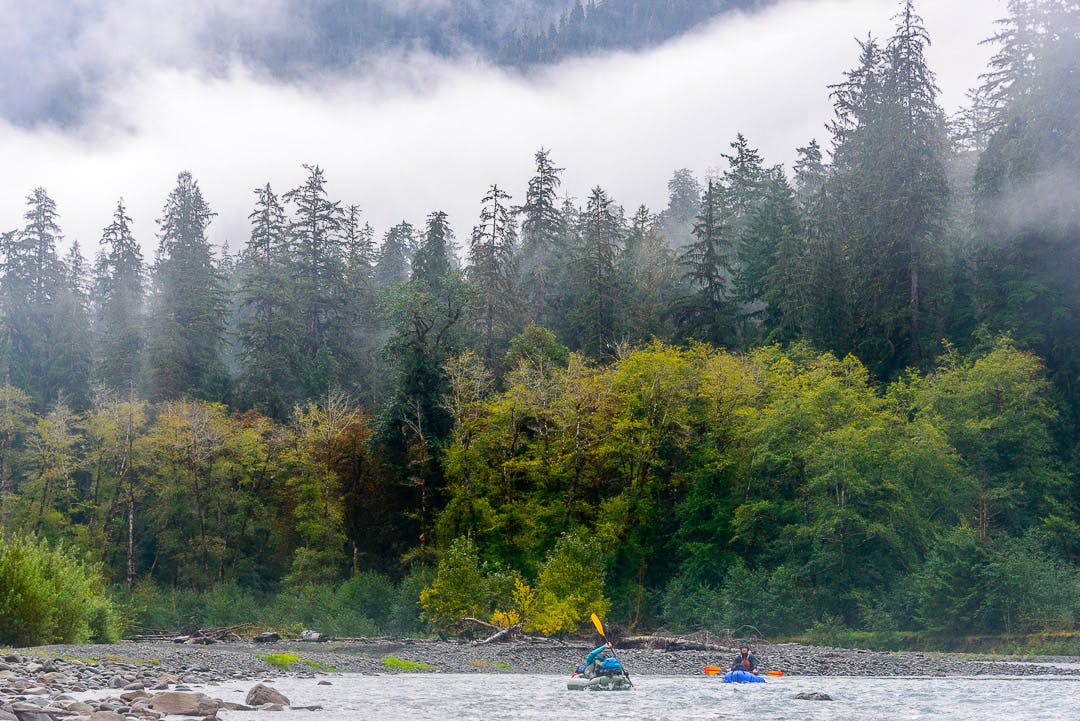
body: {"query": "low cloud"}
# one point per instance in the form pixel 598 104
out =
pixel 403 136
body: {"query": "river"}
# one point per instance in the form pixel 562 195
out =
pixel 519 697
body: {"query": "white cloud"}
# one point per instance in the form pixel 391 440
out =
pixel 411 135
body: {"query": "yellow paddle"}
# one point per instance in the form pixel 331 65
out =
pixel 600 630
pixel 715 670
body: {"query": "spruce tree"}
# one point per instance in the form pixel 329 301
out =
pixel 71 352
pixel 650 275
pixel 318 273
pixel 31 281
pixel 491 271
pixel 188 309
pixel 269 327
pixel 541 235
pixel 593 305
pixel 392 266
pixel 708 313
pixel 684 201
pixel 120 319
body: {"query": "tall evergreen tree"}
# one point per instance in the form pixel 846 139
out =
pixel 887 199
pixel 541 235
pixel 120 319
pixel 188 312
pixel 684 201
pixel 318 273
pixel 435 257
pixel 593 312
pixel 771 280
pixel 809 173
pixel 392 266
pixel 1027 215
pixel 31 280
pixel 708 314
pixel 651 275
pixel 71 363
pixel 269 328
pixel 491 271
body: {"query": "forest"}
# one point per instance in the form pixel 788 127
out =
pixel 839 398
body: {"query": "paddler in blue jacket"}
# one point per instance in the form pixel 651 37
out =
pixel 595 658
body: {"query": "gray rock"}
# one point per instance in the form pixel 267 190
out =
pixel 261 694
pixel 813 696
pixel 106 716
pixel 178 703
pixel 266 637
pixel 307 635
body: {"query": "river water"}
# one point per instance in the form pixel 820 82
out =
pixel 520 697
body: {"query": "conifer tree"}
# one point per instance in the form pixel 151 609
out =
pixel 269 326
pixel 71 362
pixel 318 272
pixel 120 319
pixel 887 197
pixel 392 266
pixel 188 310
pixel 491 271
pixel 31 280
pixel 541 235
pixel 707 314
pixel 434 257
pixel 648 267
pixel 593 314
pixel 684 201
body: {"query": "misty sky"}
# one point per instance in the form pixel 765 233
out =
pixel 403 136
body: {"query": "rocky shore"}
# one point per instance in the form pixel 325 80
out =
pixel 147 681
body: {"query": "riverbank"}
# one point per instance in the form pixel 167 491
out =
pixel 204 663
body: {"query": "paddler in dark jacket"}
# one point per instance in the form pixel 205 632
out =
pixel 745 661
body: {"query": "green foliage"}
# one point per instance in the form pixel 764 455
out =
pixel 397 664
pixel 459 590
pixel 48 596
pixel 279 660
pixel 570 587
pixel 1026 588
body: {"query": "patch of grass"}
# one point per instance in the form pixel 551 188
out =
pixel 317 665
pixel 477 663
pixel 397 664
pixel 279 660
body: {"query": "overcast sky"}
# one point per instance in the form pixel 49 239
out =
pixel 407 136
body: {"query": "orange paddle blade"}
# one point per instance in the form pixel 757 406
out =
pixel 774 673
pixel 713 670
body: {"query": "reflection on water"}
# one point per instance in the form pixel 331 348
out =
pixel 514 697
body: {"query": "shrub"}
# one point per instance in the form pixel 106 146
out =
pixel 570 586
pixel 48 596
pixel 459 589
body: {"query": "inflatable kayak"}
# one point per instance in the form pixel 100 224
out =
pixel 742 677
pixel 599 683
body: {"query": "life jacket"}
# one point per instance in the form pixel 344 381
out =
pixel 610 666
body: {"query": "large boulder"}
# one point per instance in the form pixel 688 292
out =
pixel 183 703
pixel 260 694
pixel 106 716
pixel 266 637
pixel 813 696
